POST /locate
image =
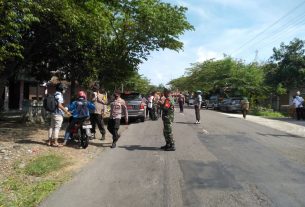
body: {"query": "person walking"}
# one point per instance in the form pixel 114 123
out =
pixel 57 116
pixel 197 105
pixel 117 108
pixel 244 106
pixel 181 101
pixel 150 105
pixel 168 109
pixel 96 117
pixel 298 102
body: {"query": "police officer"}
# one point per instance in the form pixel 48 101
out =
pixel 168 118
pixel 117 108
pixel 96 116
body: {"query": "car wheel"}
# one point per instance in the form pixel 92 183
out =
pixel 142 119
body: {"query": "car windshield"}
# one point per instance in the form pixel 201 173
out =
pixel 132 97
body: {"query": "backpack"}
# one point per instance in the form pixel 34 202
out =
pixel 82 109
pixel 50 103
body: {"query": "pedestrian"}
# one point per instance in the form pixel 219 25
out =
pixel 197 106
pixel 150 101
pixel 181 101
pixel 298 102
pixel 57 116
pixel 96 117
pixel 168 110
pixel 157 105
pixel 117 108
pixel 80 111
pixel 244 106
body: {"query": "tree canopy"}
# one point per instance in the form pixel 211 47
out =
pixel 87 40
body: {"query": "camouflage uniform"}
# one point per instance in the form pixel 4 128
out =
pixel 168 118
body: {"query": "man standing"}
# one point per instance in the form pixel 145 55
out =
pixel 97 115
pixel 117 107
pixel 197 104
pixel 57 116
pixel 181 101
pixel 168 110
pixel 298 103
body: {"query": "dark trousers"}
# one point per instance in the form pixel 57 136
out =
pixel 181 106
pixel 244 113
pixel 113 128
pixel 300 113
pixel 97 119
pixel 197 112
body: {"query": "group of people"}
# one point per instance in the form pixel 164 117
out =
pixel 95 108
pixel 197 104
pixel 82 108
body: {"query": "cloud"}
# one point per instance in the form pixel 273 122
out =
pixel 204 54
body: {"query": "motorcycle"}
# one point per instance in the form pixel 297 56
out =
pixel 81 131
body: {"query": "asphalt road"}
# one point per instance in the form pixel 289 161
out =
pixel 224 161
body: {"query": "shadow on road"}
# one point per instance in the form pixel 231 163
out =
pixel 280 135
pixel 139 147
pixel 181 122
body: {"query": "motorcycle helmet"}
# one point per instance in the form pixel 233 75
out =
pixel 82 94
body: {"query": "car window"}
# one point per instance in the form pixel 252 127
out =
pixel 132 97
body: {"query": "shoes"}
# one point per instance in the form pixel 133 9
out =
pixel 103 137
pixel 196 122
pixel 171 148
pixel 165 146
pixel 92 136
pixel 113 145
pixel 65 143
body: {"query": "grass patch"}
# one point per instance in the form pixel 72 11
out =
pixel 44 165
pixel 28 186
pixel 266 112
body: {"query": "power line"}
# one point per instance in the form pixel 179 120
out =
pixel 267 28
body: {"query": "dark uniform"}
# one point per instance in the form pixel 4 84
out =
pixel 168 118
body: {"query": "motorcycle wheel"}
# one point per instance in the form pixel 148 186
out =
pixel 84 141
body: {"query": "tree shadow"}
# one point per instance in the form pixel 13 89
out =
pixel 280 135
pixel 182 122
pixel 140 148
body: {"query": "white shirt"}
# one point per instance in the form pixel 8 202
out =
pixel 297 101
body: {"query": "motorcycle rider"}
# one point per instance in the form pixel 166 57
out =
pixel 79 110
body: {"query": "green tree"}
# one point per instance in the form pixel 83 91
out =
pixel 286 67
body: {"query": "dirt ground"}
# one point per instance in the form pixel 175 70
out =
pixel 20 142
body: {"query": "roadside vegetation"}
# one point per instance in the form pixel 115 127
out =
pixel 266 112
pixel 31 181
pixel 259 82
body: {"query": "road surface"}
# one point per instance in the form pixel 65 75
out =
pixel 224 161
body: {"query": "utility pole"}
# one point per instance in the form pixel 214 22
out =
pixel 256 56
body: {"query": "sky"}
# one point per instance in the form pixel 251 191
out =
pixel 242 29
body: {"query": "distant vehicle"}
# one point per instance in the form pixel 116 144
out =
pixel 213 102
pixel 203 103
pixel 231 105
pixel 222 106
pixel 135 106
pixel 191 101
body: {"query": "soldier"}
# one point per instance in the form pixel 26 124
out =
pixel 117 108
pixel 244 106
pixel 168 118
